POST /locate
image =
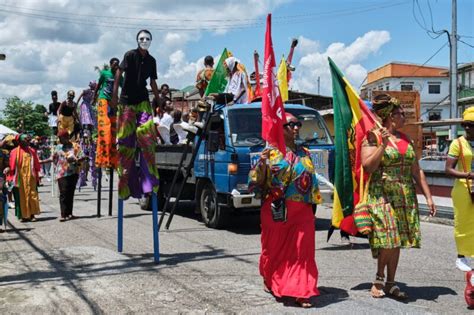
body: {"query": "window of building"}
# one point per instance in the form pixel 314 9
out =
pixel 380 88
pixel 406 86
pixel 434 87
pixel 387 87
pixel 434 115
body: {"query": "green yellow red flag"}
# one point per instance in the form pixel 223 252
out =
pixel 352 121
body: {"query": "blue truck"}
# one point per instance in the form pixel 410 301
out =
pixel 230 147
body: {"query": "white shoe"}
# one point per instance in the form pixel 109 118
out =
pixel 11 205
pixel 463 264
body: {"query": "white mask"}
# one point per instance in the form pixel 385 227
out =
pixel 144 40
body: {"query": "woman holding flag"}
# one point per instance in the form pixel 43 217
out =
pixel 288 187
pixel 389 156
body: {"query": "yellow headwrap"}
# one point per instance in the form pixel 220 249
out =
pixel 468 114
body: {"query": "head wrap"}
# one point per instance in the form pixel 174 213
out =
pixel 468 114
pixel 230 63
pixel 71 93
pixel 384 104
pixel 63 133
pixel 92 84
pixel 21 137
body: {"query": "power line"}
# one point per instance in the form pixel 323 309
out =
pixel 431 33
pixel 460 40
pixel 176 24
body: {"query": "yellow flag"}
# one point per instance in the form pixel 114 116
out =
pixel 282 80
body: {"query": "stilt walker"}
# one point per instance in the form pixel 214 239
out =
pixel 136 132
pixel 105 151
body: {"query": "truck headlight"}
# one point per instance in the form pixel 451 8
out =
pixel 232 168
pixel 242 187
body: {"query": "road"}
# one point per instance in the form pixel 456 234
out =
pixel 74 267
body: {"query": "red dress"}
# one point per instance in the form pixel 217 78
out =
pixel 287 261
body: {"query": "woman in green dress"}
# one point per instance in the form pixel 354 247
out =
pixel 389 156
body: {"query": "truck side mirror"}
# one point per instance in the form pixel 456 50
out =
pixel 213 141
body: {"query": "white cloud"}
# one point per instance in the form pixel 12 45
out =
pixel 314 63
pixel 47 54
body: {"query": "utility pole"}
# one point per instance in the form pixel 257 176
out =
pixel 453 71
pixel 319 81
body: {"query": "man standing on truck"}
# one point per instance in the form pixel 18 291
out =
pixel 204 75
pixel 136 132
pixel 238 81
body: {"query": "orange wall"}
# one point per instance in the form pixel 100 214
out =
pixel 404 70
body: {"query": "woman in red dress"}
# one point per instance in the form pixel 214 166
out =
pixel 287 262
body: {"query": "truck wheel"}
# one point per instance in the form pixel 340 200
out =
pixel 212 214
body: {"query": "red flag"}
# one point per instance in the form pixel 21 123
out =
pixel 273 113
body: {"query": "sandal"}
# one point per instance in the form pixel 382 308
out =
pixel 304 302
pixel 377 290
pixel 394 291
pixel 266 288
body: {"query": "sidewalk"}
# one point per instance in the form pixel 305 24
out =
pixel 444 206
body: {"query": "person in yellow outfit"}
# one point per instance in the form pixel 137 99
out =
pixel 67 112
pixel 23 173
pixel 460 165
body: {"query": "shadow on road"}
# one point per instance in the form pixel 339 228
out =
pixel 428 293
pixel 350 246
pixel 328 296
pixel 60 268
pixel 39 219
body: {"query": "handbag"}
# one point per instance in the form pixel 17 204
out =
pixel 469 184
pixel 278 207
pixel 362 217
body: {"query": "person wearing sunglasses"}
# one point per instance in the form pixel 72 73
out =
pixel 135 120
pixel 287 184
pixel 389 156
pixel 459 165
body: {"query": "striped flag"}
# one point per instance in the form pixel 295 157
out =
pixel 352 121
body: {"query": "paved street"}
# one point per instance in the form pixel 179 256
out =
pixel 73 267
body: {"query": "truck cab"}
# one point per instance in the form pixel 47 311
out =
pixel 231 146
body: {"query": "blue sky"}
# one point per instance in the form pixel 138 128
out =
pixel 55 44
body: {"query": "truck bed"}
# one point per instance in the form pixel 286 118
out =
pixel 168 156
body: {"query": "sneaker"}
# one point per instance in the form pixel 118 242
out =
pixel 11 205
pixel 463 264
pixel 345 240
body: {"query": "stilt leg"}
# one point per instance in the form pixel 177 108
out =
pixel 111 190
pixel 99 190
pixel 120 226
pixel 156 245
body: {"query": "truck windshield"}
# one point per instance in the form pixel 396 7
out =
pixel 246 126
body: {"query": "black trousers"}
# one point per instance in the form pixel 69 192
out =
pixel 67 187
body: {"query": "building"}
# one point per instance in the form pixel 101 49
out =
pixel 432 83
pixel 465 86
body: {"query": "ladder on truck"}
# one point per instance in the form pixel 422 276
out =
pixel 201 133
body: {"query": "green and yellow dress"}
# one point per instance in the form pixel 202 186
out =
pixel 392 191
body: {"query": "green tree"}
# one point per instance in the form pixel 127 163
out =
pixel 24 116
